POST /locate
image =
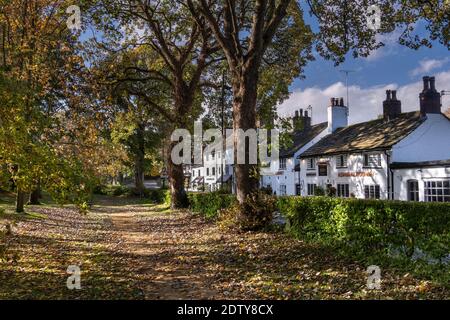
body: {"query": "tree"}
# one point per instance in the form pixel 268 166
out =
pixel 183 44
pixel 247 30
pixel 38 54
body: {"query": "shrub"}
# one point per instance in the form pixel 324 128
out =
pixel 371 227
pixel 257 211
pixel 209 204
pixel 110 190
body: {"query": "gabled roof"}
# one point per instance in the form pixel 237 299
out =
pixel 373 135
pixel 301 138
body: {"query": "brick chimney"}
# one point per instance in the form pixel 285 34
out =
pixel 301 121
pixel 337 114
pixel 430 98
pixel 392 107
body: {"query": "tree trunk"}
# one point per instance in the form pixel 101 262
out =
pixel 139 160
pixel 176 181
pixel 20 201
pixel 244 117
pixel 35 195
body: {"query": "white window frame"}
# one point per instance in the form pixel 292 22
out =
pixel 372 194
pixel 283 162
pixel 370 163
pixel 283 190
pixel 437 190
pixel 343 190
pixel 311 164
pixel 312 192
pixel 341 161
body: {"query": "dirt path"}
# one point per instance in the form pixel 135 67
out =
pixel 162 248
pixel 128 250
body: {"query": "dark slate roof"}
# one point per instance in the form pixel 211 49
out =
pixel 366 136
pixel 301 138
pixel 424 164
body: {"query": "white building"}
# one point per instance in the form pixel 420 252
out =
pixel 216 172
pixel 282 176
pixel 402 156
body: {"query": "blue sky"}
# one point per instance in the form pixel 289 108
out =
pixel 393 63
pixel 391 67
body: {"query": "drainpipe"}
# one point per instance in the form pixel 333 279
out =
pixel 389 175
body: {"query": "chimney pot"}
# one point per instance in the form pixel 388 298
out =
pixel 426 83
pixel 394 95
pixel 388 95
pixel 433 83
pixel 341 102
pixel 296 114
pixel 306 114
pixel 332 102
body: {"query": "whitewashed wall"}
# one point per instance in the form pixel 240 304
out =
pixel 429 142
pixel 355 164
pixel 288 177
pixel 401 177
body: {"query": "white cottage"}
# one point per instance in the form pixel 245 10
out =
pixel 282 176
pixel 216 172
pixel 401 156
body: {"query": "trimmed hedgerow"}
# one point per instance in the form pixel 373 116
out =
pixel 372 227
pixel 209 204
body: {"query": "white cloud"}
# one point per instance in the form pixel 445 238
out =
pixel 390 47
pixel 428 65
pixel 365 103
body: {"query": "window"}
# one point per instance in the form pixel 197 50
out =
pixel 372 192
pixel 343 190
pixel 207 171
pixel 413 190
pixel 372 160
pixel 323 170
pixel 298 190
pixel 218 155
pixel 341 161
pixel 437 191
pixel 311 164
pixel 282 163
pixel 213 154
pixel 311 189
pixel 227 170
pixel 213 171
pixel 282 189
pixel 219 169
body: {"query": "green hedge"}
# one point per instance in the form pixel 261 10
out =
pixel 371 227
pixel 209 204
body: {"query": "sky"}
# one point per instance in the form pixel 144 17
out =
pixel 391 67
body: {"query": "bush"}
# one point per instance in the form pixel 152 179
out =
pixel 156 196
pixel 371 227
pixel 209 204
pixel 110 190
pixel 257 211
